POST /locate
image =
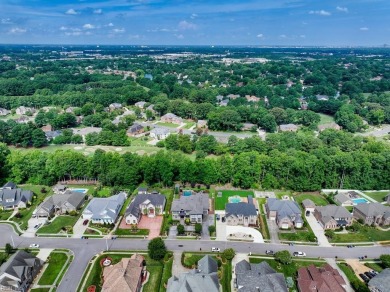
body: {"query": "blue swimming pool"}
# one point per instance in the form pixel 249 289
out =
pixel 79 190
pixel 359 201
pixel 187 193
pixel 235 200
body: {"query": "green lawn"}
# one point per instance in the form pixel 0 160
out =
pixel 356 283
pixel 56 262
pixel 290 270
pixel 189 125
pixel 325 119
pixel 374 266
pixel 57 225
pixel 365 234
pixel 378 196
pixel 317 199
pixel 130 232
pixel 40 290
pixel 167 273
pixel 170 125
pixel 154 279
pixel 220 202
pixel 4 215
pixel 304 235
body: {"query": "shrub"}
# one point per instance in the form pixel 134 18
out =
pixel 180 229
pixel 157 249
pixel 198 228
pixel 283 257
pixel 211 229
pixel 229 254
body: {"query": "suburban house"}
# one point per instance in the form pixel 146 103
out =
pixel 4 112
pixel 50 135
pixel 140 104
pixel 22 120
pixel 59 188
pixel 219 98
pixel 343 200
pixel 308 205
pixel 194 207
pixel 60 204
pixel 142 191
pixel 171 118
pixel 104 210
pixel 333 126
pixel 23 110
pixel 159 133
pixel 288 128
pixel 321 97
pixel 224 102
pixel 127 275
pixel 259 277
pixel 201 124
pixel 19 271
pixel 135 129
pixel 70 110
pixel 85 131
pixel 12 197
pixel 204 278
pixel 252 98
pixel 146 204
pixel 380 283
pixel 286 213
pixel 114 106
pixel 241 213
pixel 332 216
pixel 372 213
pixel 314 279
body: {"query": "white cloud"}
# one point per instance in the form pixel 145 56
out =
pixel 194 15
pixel 118 30
pixel 6 21
pixel 71 12
pixel 98 11
pixel 364 28
pixel 63 28
pixel 179 36
pixel 260 35
pixel 73 33
pixel 282 36
pixel 17 30
pixel 320 12
pixel 342 9
pixel 110 24
pixel 302 36
pixel 88 26
pixel 185 25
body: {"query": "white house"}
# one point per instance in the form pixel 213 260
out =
pixel 159 133
pixel 150 205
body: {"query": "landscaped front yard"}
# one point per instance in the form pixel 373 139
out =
pixel 377 196
pixel 364 234
pixel 169 125
pixel 56 262
pixel 220 202
pixel 132 232
pixel 317 199
pixel 58 224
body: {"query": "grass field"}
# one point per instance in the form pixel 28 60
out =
pixel 58 223
pixel 4 215
pixel 325 119
pixel 220 202
pixel 189 125
pixel 304 235
pixel 56 262
pixel 353 279
pixel 130 232
pixel 40 290
pixel 366 234
pixel 169 125
pixel 374 266
pixel 317 199
pixel 377 196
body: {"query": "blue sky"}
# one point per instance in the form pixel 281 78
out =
pixel 199 22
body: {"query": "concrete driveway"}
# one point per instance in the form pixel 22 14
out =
pixel 221 227
pixel 79 228
pixel 256 235
pixel 318 231
pixel 30 232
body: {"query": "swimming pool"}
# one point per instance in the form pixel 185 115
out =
pixel 359 201
pixel 187 193
pixel 235 200
pixel 79 190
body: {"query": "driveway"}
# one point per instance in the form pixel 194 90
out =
pixel 30 232
pixel 255 234
pixel 272 228
pixel 79 228
pixel 207 221
pixel 151 223
pixel 221 227
pixel 317 230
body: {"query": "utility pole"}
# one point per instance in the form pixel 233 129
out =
pixel 106 244
pixel 13 243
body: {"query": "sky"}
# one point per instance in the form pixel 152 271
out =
pixel 196 22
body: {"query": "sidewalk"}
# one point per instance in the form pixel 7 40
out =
pixel 177 267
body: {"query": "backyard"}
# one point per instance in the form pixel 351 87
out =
pixel 317 199
pixel 220 202
pixel 377 196
pixel 56 262
pixel 58 224
pixel 325 119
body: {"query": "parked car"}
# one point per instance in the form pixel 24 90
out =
pixel 34 245
pixel 291 244
pixel 350 246
pixel 364 278
pixel 85 222
pixel 37 226
pixel 223 219
pixel 299 254
pixel 217 216
pixel 374 272
pixel 215 249
pixel 269 252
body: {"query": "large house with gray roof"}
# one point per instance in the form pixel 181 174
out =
pixel 150 205
pixel 204 278
pixel 60 204
pixel 286 213
pixel 343 200
pixel 241 213
pixel 159 133
pixel 258 277
pixel 194 207
pixel 19 271
pixel 104 210
pixel 372 213
pixel 380 283
pixel 332 216
pixel 12 197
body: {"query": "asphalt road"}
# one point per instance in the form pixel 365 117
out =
pixel 85 249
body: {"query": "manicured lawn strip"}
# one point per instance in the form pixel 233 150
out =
pixel 366 234
pixel 317 199
pixel 167 273
pixel 167 218
pixel 103 228
pixel 289 270
pixel 57 224
pixel 131 232
pixel 189 125
pixel 296 236
pixel 4 215
pixel 56 263
pixel 374 266
pixel 356 283
pixel 263 225
pixel 155 275
pixel 40 290
pixel 125 205
pixel 220 202
pixel 169 125
pixel 377 196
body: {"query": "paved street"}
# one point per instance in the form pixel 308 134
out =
pixel 84 250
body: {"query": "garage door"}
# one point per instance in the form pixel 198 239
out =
pixel 285 226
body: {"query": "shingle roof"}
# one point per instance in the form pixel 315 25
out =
pixel 381 281
pixel 159 131
pixel 135 128
pixel 285 208
pixel 106 207
pixel 207 265
pixel 311 279
pixel 195 204
pixel 307 203
pixel 372 209
pixel 73 199
pixel 14 197
pixel 17 265
pixel 333 211
pixel 241 208
pixel 9 185
pixel 342 198
pixel 259 277
pixel 155 200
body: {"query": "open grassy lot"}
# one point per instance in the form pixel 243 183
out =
pixel 167 273
pixel 25 214
pixel 317 199
pixel 170 125
pixel 325 119
pixel 57 224
pixel 365 234
pixel 40 290
pixel 290 270
pixel 304 235
pixel 56 261
pixel 156 269
pixel 220 202
pixel 131 232
pixel 377 196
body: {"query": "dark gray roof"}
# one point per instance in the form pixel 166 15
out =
pixel 241 208
pixel 110 207
pixel 155 200
pixel 333 211
pixel 52 134
pixel 135 128
pixel 259 277
pixel 207 265
pixel 285 208
pixel 381 281
pixel 307 203
pixel 372 209
pixel 14 196
pixel 19 264
pixel 9 185
pixel 342 198
pixel 195 204
pixel 74 199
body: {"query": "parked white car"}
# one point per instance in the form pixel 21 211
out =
pixel 215 249
pixel 299 254
pixel 34 245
